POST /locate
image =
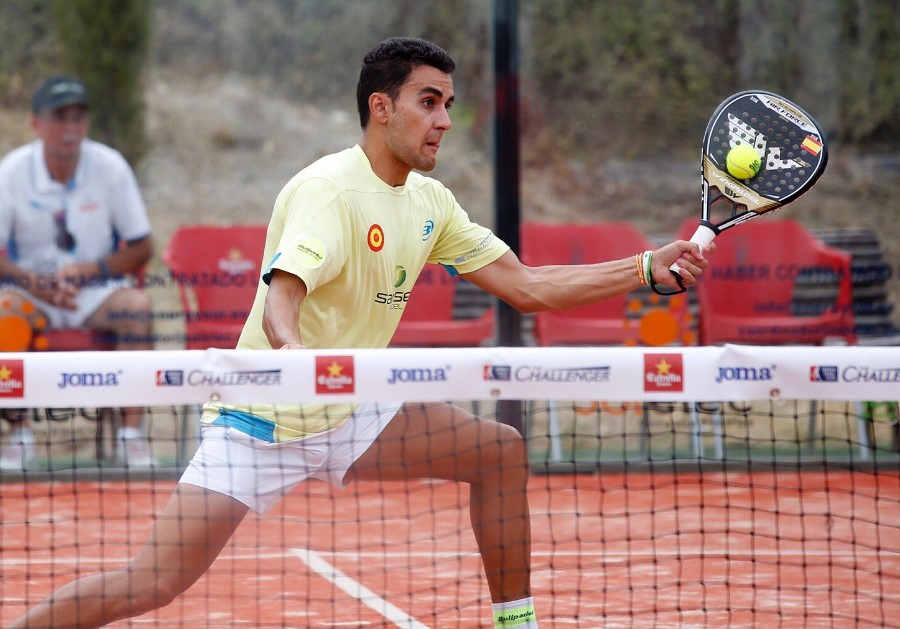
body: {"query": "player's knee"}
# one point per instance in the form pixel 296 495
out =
pixel 149 593
pixel 512 451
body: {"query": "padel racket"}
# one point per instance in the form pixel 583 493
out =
pixel 792 152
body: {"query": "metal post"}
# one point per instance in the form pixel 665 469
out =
pixel 506 173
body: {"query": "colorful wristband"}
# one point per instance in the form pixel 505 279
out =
pixel 640 269
pixel 647 261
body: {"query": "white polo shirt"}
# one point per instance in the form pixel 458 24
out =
pixel 100 207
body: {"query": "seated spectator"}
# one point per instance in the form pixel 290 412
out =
pixel 72 224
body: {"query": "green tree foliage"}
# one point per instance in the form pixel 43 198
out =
pixel 600 78
pixel 29 48
pixel 611 72
pixel 105 43
pixel 309 49
pixel 869 85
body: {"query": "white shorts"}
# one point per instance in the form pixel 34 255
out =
pixel 87 302
pixel 258 473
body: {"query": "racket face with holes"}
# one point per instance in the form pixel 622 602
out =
pixel 792 152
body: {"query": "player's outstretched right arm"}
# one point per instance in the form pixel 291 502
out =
pixel 558 287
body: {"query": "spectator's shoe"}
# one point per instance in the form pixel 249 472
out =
pixel 19 452
pixel 134 452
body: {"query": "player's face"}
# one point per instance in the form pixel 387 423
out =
pixel 419 117
pixel 62 130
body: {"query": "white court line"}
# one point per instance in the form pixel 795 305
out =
pixel 355 589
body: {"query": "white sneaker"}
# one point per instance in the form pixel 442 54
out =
pixel 134 452
pixel 19 453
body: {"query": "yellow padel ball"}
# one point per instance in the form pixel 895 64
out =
pixel 743 162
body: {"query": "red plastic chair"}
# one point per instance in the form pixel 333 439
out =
pixel 217 270
pixel 76 340
pixel 428 319
pixel 601 323
pixel 750 294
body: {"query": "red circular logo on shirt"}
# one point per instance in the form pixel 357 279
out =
pixel 375 238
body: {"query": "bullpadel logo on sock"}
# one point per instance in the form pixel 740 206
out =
pixel 514 617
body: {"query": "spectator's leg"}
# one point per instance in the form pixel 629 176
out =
pixel 128 313
pixel 18 318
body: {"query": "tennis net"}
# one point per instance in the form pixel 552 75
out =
pixel 705 487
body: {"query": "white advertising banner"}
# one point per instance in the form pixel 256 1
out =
pixel 730 372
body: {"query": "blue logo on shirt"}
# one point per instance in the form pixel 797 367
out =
pixel 427 229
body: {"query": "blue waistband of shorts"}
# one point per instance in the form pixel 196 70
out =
pixel 247 423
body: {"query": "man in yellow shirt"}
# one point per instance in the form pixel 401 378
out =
pixel 342 232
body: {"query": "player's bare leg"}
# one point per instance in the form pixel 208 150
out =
pixel 446 442
pixel 188 535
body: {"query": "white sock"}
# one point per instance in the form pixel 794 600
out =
pixel 519 614
pixel 21 434
pixel 130 432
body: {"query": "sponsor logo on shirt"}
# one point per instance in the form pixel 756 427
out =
pixel 663 372
pixel 375 238
pixel 334 374
pixel 395 300
pixel 12 378
pixel 399 276
pixel 474 252
pixel 310 252
pixel 427 229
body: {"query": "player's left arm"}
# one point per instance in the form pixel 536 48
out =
pixel 281 315
pixel 557 287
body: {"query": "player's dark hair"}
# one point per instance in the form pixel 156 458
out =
pixel 387 66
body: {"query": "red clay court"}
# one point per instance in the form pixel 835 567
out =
pixel 817 548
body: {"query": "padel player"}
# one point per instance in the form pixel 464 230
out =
pixel 340 230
